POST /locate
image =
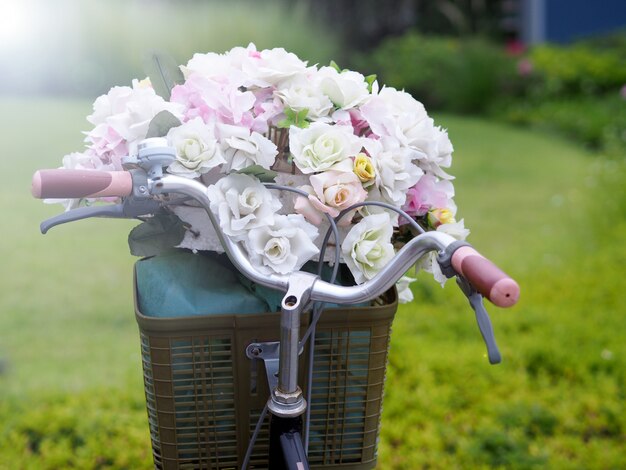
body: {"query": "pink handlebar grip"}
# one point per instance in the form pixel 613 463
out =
pixel 68 184
pixel 486 277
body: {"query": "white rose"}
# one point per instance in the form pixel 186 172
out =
pixel 243 148
pixel 282 247
pixel 197 149
pixel 345 89
pixel 395 172
pixel 367 247
pixel 305 93
pixel 242 203
pixel 322 146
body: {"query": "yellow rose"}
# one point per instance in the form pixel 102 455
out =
pixel 437 217
pixel 364 168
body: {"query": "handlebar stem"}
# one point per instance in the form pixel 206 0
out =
pixel 287 399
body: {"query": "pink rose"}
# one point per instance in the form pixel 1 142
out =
pixel 330 193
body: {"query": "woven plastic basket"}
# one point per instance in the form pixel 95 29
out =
pixel 204 395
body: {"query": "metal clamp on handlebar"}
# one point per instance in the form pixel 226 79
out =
pixel 444 258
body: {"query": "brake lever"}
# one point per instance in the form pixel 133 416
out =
pixel 130 208
pixel 482 318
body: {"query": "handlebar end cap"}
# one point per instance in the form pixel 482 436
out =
pixel 505 293
pixel 36 185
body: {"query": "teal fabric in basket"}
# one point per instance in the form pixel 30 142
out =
pixel 180 284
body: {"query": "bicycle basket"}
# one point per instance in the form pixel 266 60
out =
pixel 204 396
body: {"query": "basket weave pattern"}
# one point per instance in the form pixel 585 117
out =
pixel 204 396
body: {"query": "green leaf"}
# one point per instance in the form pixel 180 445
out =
pixel 263 174
pixel 370 79
pixel 294 118
pixel 291 114
pixel 161 124
pixel 290 119
pixel 334 65
pixel 156 235
pixel 164 74
pixel 301 116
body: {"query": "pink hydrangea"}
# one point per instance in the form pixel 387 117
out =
pixel 428 193
pixel 215 101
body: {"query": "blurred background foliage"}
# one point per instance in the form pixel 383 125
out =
pixel 461 56
pixel 576 89
pixel 84 47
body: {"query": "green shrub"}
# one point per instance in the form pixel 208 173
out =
pixel 577 70
pixel 96 429
pixel 576 90
pixel 499 449
pixel 465 76
pixel 598 122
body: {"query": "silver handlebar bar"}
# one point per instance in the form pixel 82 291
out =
pixel 320 290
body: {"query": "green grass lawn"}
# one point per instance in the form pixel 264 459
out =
pixel 546 211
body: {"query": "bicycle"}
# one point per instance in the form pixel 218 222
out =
pixel 142 189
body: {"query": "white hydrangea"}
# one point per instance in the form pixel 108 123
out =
pixel 395 171
pixel 121 119
pixel 79 161
pixel 403 286
pixel 272 66
pixel 346 89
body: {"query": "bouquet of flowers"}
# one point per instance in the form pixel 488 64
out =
pixel 246 117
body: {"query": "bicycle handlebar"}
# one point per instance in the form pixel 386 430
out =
pixel 485 276
pixel 67 184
